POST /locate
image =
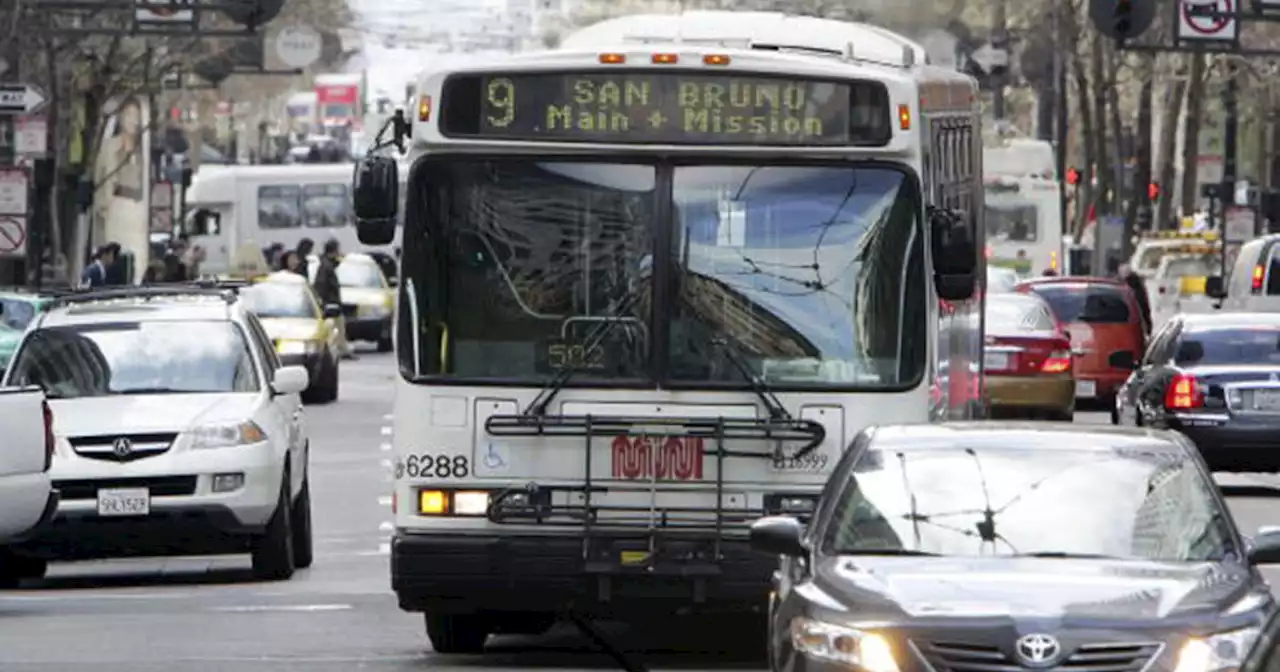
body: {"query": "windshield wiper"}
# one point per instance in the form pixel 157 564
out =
pixel 885 551
pixel 761 389
pixel 542 402
pixel 1064 554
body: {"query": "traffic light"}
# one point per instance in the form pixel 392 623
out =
pixel 1073 176
pixel 1153 192
pixel 1122 19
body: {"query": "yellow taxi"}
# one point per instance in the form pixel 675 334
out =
pixel 365 286
pixel 304 332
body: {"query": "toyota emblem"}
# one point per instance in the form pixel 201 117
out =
pixel 1038 650
pixel 122 447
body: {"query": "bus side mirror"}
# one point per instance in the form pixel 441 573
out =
pixel 376 197
pixel 1214 287
pixel 954 255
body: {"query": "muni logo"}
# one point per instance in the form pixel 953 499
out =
pixel 671 459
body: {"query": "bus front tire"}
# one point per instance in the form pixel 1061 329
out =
pixel 457 633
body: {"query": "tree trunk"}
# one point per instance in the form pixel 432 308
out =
pixel 1085 189
pixel 1101 157
pixel 1191 134
pixel 1168 170
pixel 1142 173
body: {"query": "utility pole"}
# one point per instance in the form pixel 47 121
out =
pixel 999 40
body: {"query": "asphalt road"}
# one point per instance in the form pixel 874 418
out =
pixel 208 615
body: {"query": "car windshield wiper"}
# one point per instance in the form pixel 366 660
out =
pixel 885 551
pixel 761 389
pixel 1070 556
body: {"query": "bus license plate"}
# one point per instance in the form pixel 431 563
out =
pixel 124 502
pixel 1266 400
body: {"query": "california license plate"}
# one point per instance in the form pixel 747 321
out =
pixel 124 502
pixel 1266 400
pixel 1087 389
pixel 996 361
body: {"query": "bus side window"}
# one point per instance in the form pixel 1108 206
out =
pixel 279 206
pixel 206 223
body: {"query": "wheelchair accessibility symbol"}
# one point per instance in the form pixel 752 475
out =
pixel 493 459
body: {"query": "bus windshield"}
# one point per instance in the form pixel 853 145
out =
pixel 812 275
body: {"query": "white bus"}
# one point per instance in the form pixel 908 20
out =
pixel 654 283
pixel 1023 205
pixel 229 207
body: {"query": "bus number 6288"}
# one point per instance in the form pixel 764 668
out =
pixel 427 465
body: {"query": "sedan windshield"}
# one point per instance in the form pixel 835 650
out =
pixel 138 358
pixel 365 275
pixel 279 299
pixel 1129 502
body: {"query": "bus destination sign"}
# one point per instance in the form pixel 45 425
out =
pixel 674 108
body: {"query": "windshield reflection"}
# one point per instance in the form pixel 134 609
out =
pixel 270 299
pixel 996 501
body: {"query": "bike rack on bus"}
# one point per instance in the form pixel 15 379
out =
pixel 652 540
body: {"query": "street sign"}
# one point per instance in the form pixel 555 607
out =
pixel 990 58
pixel 13 191
pixel 20 98
pixel 1238 225
pixel 31 136
pixel 298 46
pixel 1202 21
pixel 13 236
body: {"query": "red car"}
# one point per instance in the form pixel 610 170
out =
pixel 1103 320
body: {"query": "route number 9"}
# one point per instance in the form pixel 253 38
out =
pixel 502 100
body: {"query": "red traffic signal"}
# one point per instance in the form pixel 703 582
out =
pixel 1153 192
pixel 1073 176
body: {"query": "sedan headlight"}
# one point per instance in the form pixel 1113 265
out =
pixel 840 644
pixel 297 347
pixel 1223 651
pixel 226 435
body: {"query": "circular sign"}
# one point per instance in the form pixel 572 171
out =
pixel 298 46
pixel 13 235
pixel 1207 25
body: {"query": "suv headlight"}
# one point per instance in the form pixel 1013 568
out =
pixel 840 644
pixel 1223 651
pixel 226 435
pixel 297 347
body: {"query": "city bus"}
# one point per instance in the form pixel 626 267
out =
pixel 653 285
pixel 1023 205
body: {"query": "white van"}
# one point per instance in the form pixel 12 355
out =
pixel 232 206
pixel 1253 282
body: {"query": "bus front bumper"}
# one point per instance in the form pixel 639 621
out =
pixel 618 577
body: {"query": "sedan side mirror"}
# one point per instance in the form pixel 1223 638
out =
pixel 290 380
pixel 1264 548
pixel 1214 287
pixel 777 535
pixel 332 311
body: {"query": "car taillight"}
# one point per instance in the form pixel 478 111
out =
pixel 1059 361
pixel 50 443
pixel 1183 393
pixel 1256 286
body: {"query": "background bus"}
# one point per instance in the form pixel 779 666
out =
pixel 1023 205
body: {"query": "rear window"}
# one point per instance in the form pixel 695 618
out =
pixel 1241 345
pixel 1013 316
pixel 1094 304
pixel 1190 267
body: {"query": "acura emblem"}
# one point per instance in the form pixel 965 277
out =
pixel 122 447
pixel 1038 650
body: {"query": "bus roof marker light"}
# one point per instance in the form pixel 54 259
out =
pixel 613 59
pixel 715 59
pixel 904 117
pixel 424 108
pixel 666 59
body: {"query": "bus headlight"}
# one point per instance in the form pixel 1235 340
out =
pixel 453 502
pixel 1216 653
pixel 869 651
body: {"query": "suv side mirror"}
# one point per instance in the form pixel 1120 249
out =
pixel 954 255
pixel 1214 287
pixel 376 197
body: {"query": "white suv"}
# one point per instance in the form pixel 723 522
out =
pixel 178 432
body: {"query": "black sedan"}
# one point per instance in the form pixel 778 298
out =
pixel 1216 379
pixel 986 547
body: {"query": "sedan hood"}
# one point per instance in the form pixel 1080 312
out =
pixel 924 587
pixel 144 413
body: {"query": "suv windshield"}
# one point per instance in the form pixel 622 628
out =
pixel 1126 502
pixel 1094 304
pixel 139 358
pixel 280 299
pixel 527 268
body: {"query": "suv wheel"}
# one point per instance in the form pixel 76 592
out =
pixel 301 527
pixel 273 551
pixel 457 633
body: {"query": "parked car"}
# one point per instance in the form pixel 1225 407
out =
pixel 1027 358
pixel 1102 318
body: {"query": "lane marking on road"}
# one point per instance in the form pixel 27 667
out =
pixel 387 527
pixel 384 549
pixel 386 447
pixel 388 416
pixel 284 607
pixel 386 464
pixel 385 500
pixel 386 431
pixel 80 595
